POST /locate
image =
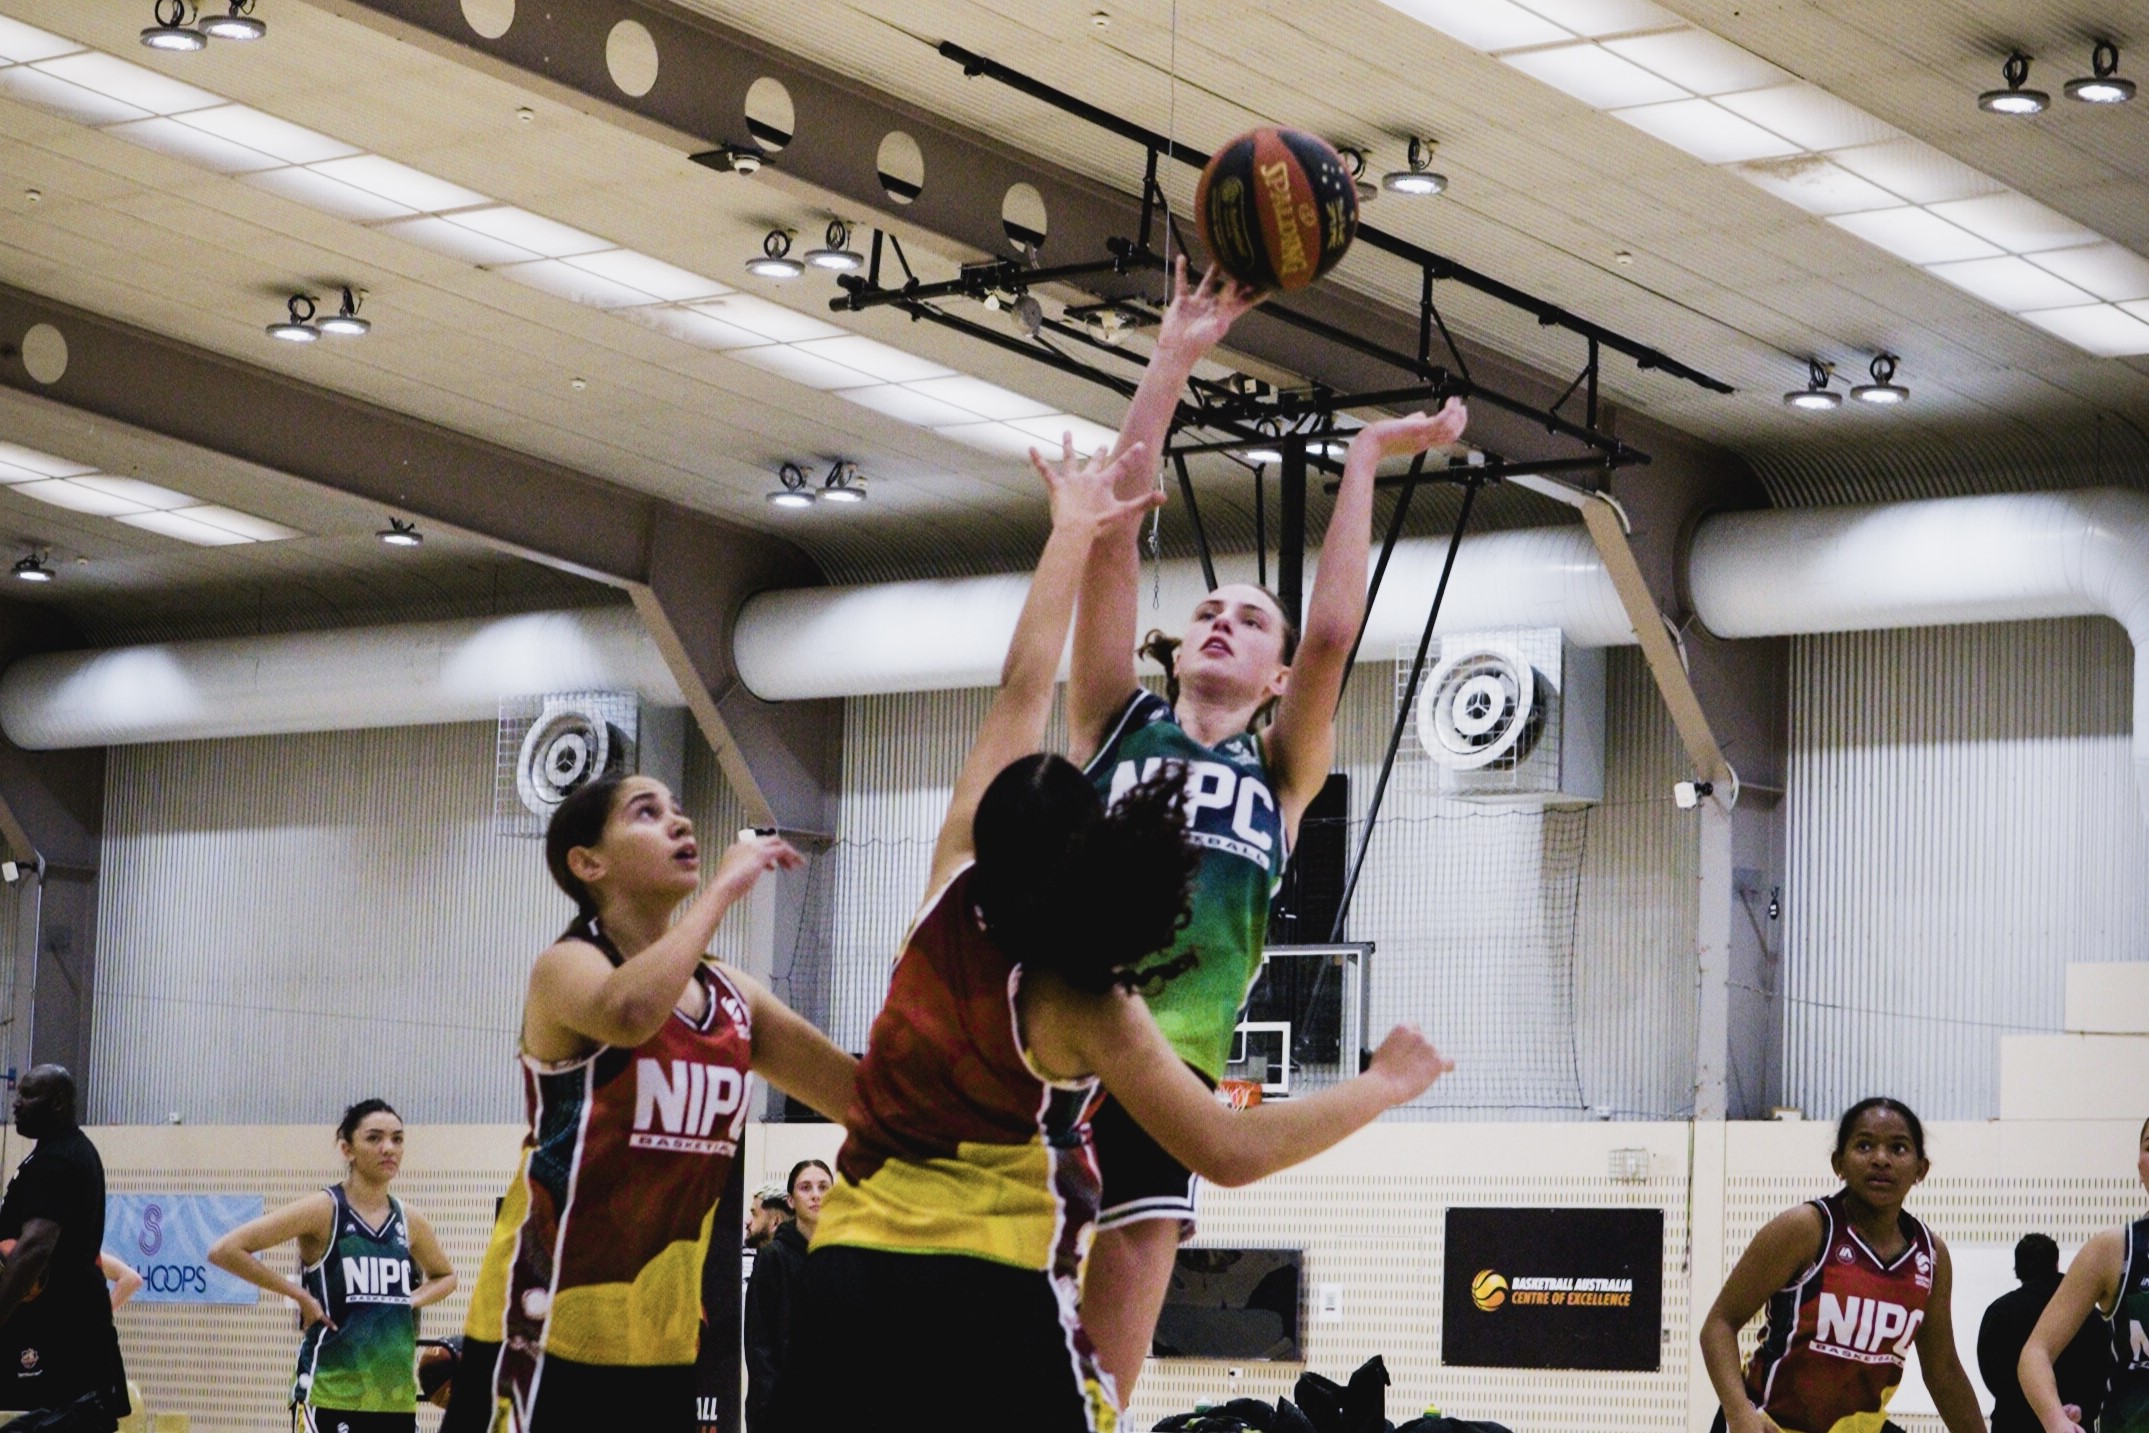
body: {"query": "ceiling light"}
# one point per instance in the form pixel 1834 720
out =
pixel 1417 179
pixel 2096 328
pixel 2014 99
pixel 775 261
pixel 1489 25
pixel 298 328
pixel 1883 389
pixel 171 32
pixel 345 322
pixel 240 24
pixel 884 362
pixel 31 569
pixel 1816 395
pixel 400 533
pixel 1354 164
pixel 1595 76
pixel 794 493
pixel 1915 235
pixel 2104 86
pixel 1707 131
pixel 1264 456
pixel 836 252
pixel 731 159
pixel 1698 61
pixel 844 484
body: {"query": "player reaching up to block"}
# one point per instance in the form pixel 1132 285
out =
pixel 1241 660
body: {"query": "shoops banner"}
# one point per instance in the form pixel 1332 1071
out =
pixel 166 1237
pixel 1554 1288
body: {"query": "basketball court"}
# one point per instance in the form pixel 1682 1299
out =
pixel 412 411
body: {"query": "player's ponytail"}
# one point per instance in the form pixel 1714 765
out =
pixel 1064 884
pixel 580 821
pixel 1164 651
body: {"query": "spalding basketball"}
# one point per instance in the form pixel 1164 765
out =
pixel 1277 208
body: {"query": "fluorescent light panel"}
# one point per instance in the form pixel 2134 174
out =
pixel 1725 105
pixel 339 179
pixel 185 528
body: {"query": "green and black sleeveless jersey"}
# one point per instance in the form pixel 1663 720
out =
pixel 367 1362
pixel 1233 816
pixel 2126 1409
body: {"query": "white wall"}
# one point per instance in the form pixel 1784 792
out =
pixel 287 924
pixel 1961 824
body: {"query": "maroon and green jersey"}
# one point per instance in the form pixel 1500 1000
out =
pixel 1832 1354
pixel 596 1256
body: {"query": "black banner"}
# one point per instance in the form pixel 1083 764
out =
pixel 1554 1288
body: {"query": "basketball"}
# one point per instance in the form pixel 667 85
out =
pixel 1277 208
pixel 1488 1290
pixel 437 1361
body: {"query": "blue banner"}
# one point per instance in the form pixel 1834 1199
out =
pixel 166 1237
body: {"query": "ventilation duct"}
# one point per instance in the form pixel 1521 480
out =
pixel 939 635
pixel 326 681
pixel 2002 558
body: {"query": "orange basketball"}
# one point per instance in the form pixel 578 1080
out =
pixel 1277 208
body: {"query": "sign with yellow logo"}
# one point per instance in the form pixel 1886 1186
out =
pixel 1553 1288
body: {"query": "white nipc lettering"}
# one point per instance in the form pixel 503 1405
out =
pixel 655 1094
pixel 1127 774
pixel 1888 1322
pixel 698 1082
pixel 358 1276
pixel 1863 1339
pixel 725 1088
pixel 1910 1333
pixel 1209 787
pixel 1838 1322
pixel 1242 820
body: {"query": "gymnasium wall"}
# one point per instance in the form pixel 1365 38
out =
pixel 1962 822
pixel 1368 1215
pixel 290 923
pixel 1551 953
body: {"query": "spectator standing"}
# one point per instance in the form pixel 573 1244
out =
pixel 2082 1367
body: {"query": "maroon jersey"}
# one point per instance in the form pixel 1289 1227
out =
pixel 596 1256
pixel 956 1144
pixel 1832 1354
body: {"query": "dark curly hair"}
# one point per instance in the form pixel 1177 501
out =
pixel 356 1115
pixel 1163 649
pixel 1086 892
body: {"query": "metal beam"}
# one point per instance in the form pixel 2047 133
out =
pixel 687 572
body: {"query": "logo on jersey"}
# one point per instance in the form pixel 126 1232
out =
pixel 1865 1329
pixel 376 1279
pixel 29 1360
pixel 1844 1254
pixel 678 1109
pixel 1237 798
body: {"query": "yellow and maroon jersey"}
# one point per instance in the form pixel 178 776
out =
pixel 1832 1354
pixel 956 1144
pixel 596 1256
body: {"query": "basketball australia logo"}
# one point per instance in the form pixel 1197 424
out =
pixel 1488 1290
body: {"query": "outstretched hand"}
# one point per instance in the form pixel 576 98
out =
pixel 1199 315
pixel 1082 489
pixel 1409 1064
pixel 1404 437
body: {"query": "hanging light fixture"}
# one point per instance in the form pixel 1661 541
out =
pixel 2103 86
pixel 240 24
pixel 298 328
pixel 171 31
pixel 2014 99
pixel 1418 179
pixel 1354 164
pixel 1883 390
pixel 1816 395
pixel 844 484
pixel 345 322
pixel 775 261
pixel 794 493
pixel 401 533
pixel 836 253
pixel 32 569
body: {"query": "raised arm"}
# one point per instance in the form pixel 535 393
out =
pixel 310 1219
pixel 795 1057
pixel 2092 1282
pixel 1785 1245
pixel 576 990
pixel 1102 671
pixel 1084 505
pixel 1953 1394
pixel 1302 742
pixel 1115 1036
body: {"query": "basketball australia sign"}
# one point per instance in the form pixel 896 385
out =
pixel 1553 1288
